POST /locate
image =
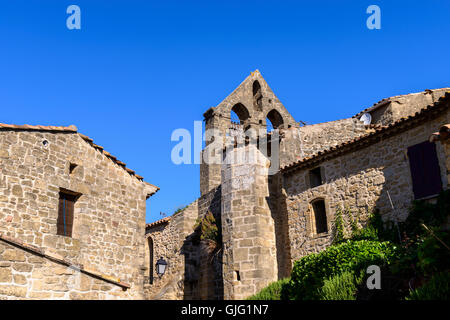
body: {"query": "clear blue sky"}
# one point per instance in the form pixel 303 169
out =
pixel 137 70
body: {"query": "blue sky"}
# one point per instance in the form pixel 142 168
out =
pixel 137 70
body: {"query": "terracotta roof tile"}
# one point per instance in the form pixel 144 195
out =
pixel 71 128
pixel 385 101
pixel 157 223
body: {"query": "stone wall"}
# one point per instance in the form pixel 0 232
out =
pixel 367 178
pixel 109 216
pixel 298 143
pixel 194 272
pixel 249 245
pixel 24 275
pixel 254 110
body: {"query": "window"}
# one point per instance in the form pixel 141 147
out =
pixel 257 96
pixel 150 247
pixel 425 172
pixel 320 216
pixel 315 177
pixel 72 167
pixel 66 206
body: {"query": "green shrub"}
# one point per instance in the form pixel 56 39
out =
pixel 207 228
pixel 431 214
pixel 309 272
pixel 338 227
pixel 340 287
pixel 432 255
pixel 271 292
pixel 436 289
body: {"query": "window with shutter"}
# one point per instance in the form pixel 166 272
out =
pixel 65 213
pixel 425 171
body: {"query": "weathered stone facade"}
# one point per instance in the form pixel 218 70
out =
pixel 104 256
pixel 263 194
pixel 267 220
pixel 368 177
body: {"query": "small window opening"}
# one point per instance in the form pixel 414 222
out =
pixel 72 167
pixel 257 95
pixel 238 276
pixel 66 208
pixel 315 177
pixel 320 216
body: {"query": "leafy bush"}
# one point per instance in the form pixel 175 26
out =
pixel 422 253
pixel 438 288
pixel 340 287
pixel 338 227
pixel 271 292
pixel 430 214
pixel 207 229
pixel 310 272
pixel 432 255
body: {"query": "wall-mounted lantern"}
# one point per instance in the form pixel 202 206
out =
pixel 161 266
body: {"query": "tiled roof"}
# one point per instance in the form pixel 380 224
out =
pixel 71 128
pixel 157 223
pixel 372 137
pixel 385 101
pixel 74 129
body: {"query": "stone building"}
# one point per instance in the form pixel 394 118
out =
pixel 277 202
pixel 72 217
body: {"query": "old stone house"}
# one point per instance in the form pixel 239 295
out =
pixel 381 158
pixel 72 217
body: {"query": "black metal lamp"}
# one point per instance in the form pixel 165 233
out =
pixel 161 266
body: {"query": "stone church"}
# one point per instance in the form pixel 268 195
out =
pixel 383 157
pixel 72 216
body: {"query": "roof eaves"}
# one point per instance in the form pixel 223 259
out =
pixel 366 139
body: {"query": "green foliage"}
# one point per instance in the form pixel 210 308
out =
pixel 438 288
pixel 353 221
pixel 338 227
pixel 417 254
pixel 179 210
pixel 208 229
pixel 309 272
pixel 422 253
pixel 272 291
pixel 372 230
pixel 340 287
pixel 430 214
pixel 431 254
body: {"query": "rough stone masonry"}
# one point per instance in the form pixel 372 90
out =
pixel 72 216
pixel 103 258
pixel 269 220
